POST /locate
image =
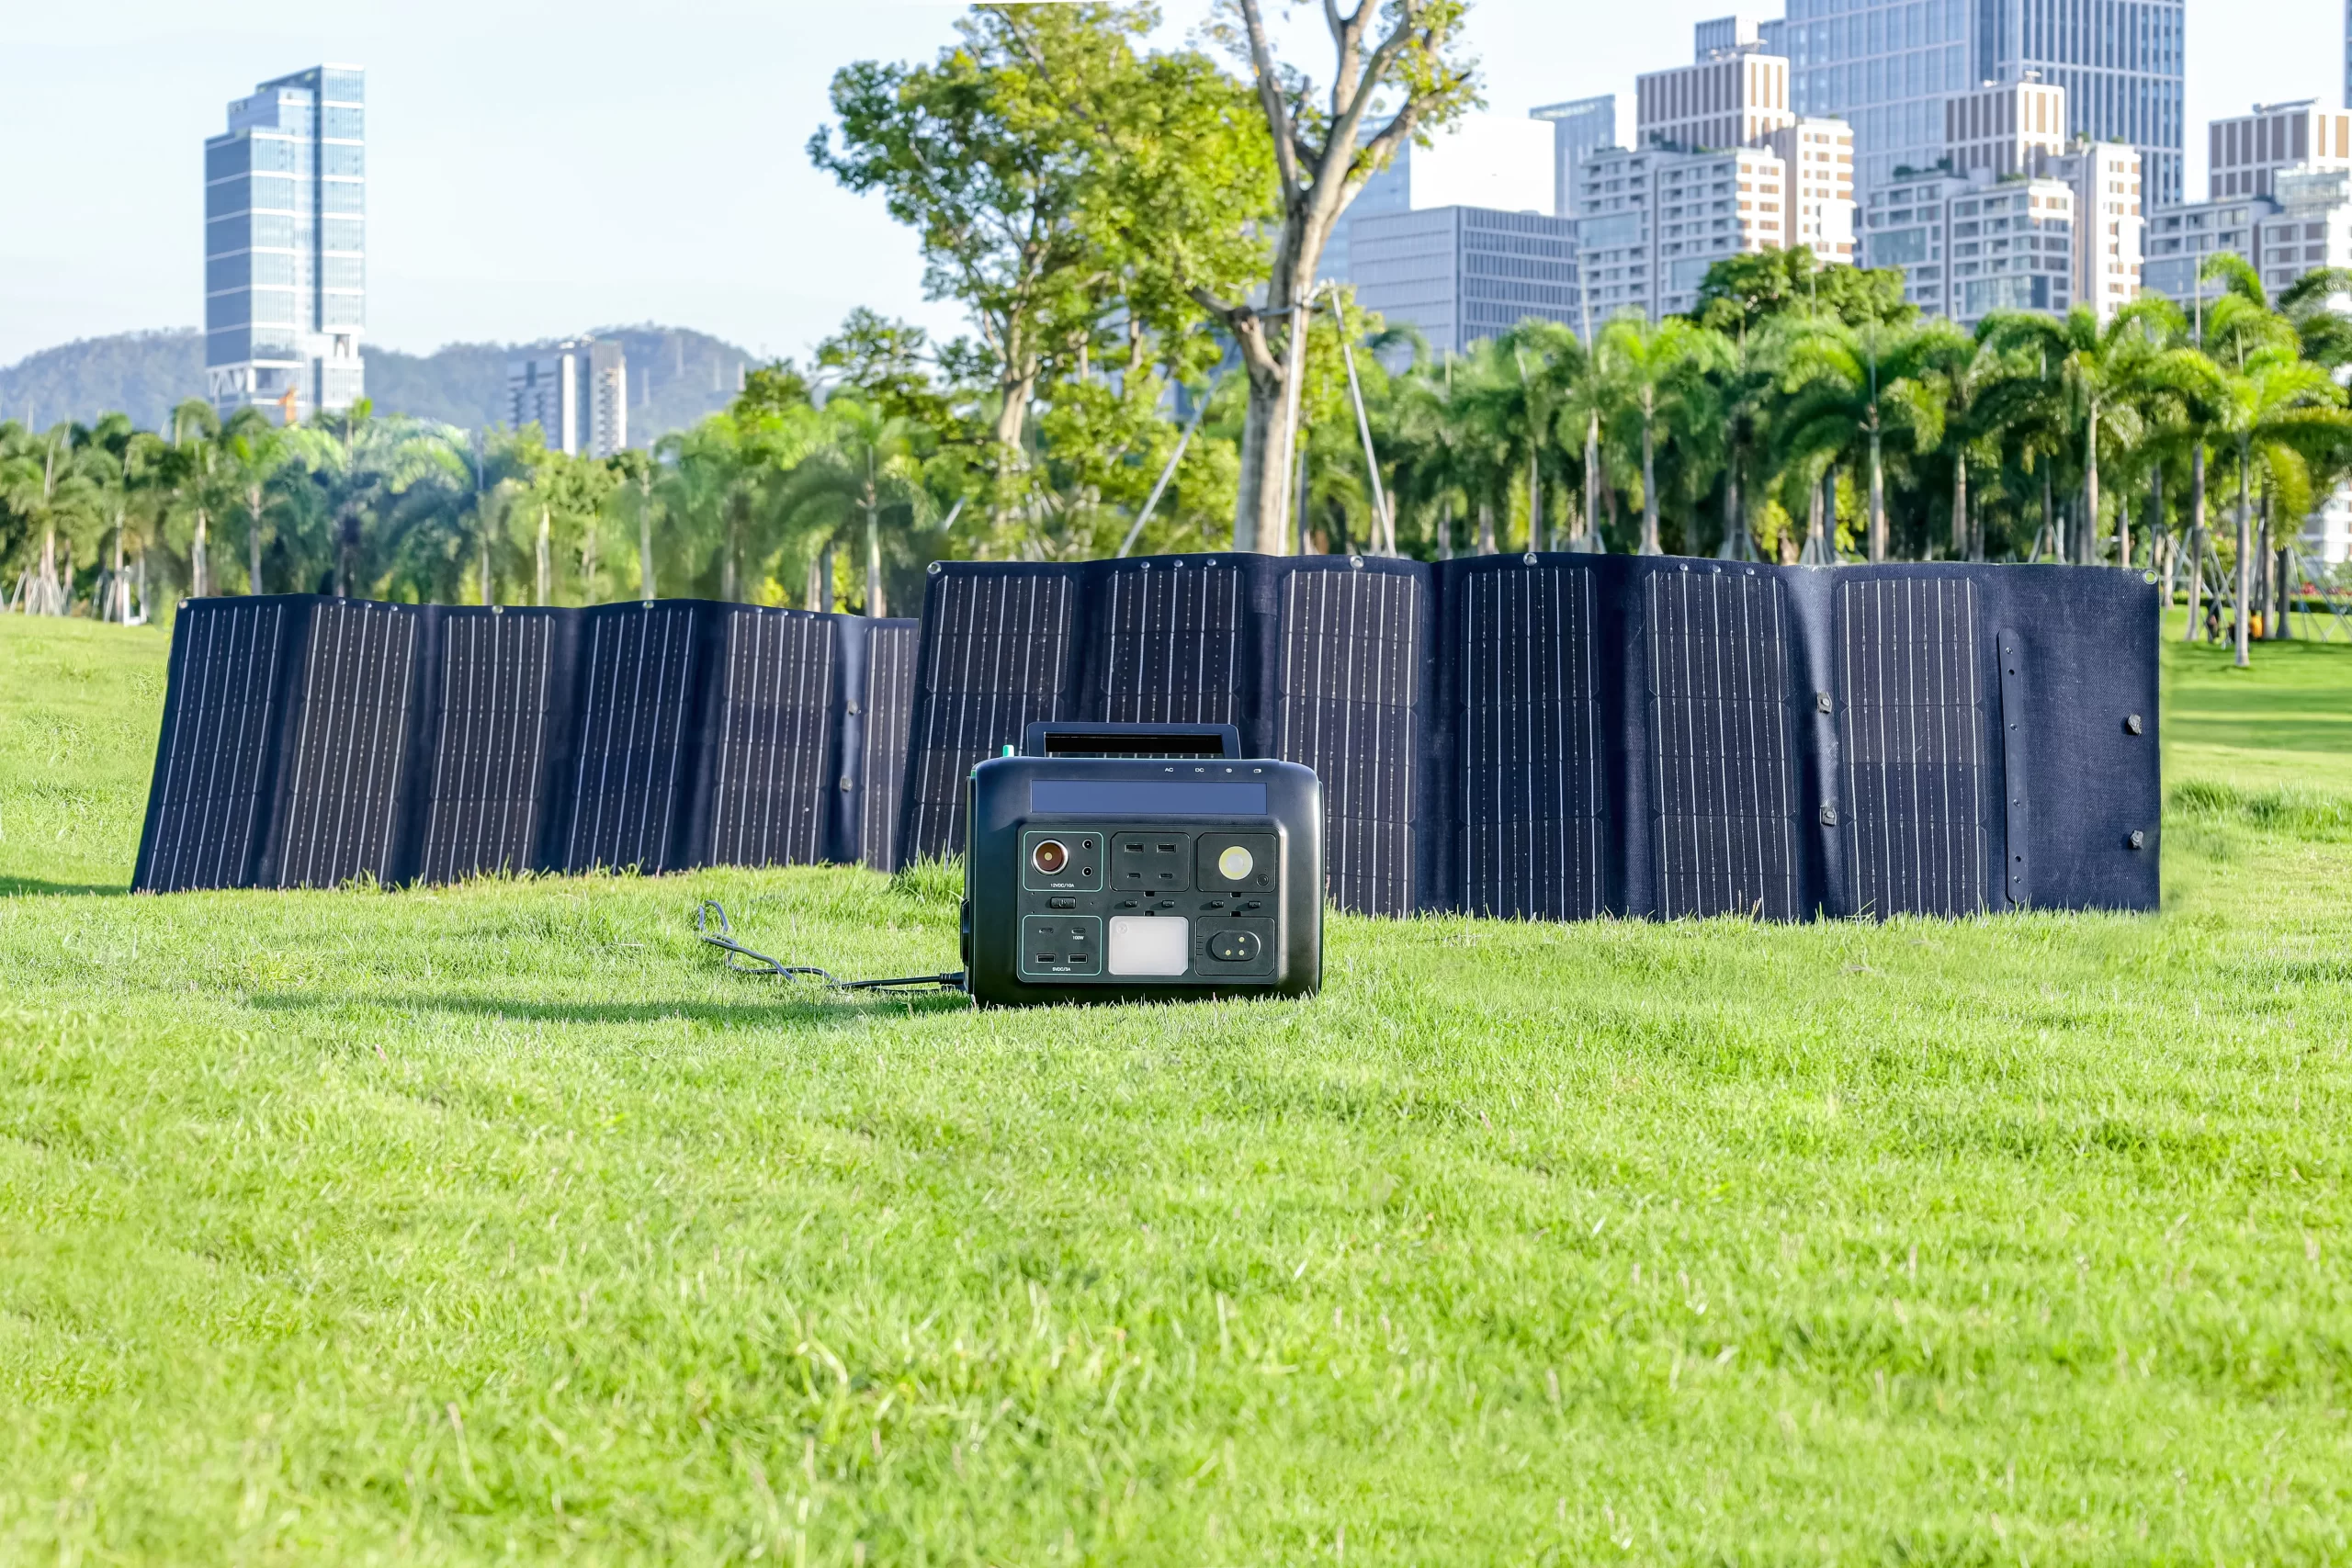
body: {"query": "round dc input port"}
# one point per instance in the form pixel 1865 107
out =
pixel 1234 863
pixel 1049 856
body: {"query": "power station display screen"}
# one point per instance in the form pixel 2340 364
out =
pixel 1148 797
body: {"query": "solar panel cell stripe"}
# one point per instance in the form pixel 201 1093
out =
pixel 1912 737
pixel 998 663
pixel 775 715
pixel 1349 657
pixel 1720 774
pixel 624 793
pixel 889 701
pixel 1174 635
pixel 341 802
pixel 1529 782
pixel 213 754
pixel 484 812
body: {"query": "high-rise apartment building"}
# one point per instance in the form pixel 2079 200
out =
pixel 1656 220
pixel 1886 66
pixel 2244 153
pixel 1580 128
pixel 576 392
pixel 1989 229
pixel 1462 274
pixel 284 245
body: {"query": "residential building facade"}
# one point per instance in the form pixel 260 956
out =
pixel 1733 100
pixel 576 392
pixel 1818 156
pixel 2244 153
pixel 1464 274
pixel 284 245
pixel 1656 220
pixel 1969 247
pixel 2000 128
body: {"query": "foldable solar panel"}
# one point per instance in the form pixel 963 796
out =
pixel 311 741
pixel 1565 735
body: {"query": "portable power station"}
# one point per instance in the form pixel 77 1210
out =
pixel 1113 863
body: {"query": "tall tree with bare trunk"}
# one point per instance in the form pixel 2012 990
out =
pixel 1398 72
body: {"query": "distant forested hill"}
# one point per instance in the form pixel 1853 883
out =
pixel 675 376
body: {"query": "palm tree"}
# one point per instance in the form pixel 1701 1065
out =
pixel 868 465
pixel 1943 400
pixel 360 464
pixel 1845 386
pixel 54 484
pixel 2105 371
pixel 1659 375
pixel 253 452
pixel 2279 404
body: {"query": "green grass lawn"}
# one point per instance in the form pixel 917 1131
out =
pixel 495 1222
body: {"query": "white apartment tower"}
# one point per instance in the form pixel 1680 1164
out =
pixel 1819 160
pixel 2109 231
pixel 576 392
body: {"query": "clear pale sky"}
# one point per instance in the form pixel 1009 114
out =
pixel 536 170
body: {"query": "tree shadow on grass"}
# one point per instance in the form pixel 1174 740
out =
pixel 815 1009
pixel 34 887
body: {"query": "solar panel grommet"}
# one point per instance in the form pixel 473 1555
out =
pixel 1529 557
pixel 933 568
pixel 1355 562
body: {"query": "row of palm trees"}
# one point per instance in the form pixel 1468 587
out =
pixel 1795 433
pixel 1809 438
pixel 104 518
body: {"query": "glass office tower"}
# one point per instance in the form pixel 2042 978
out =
pixel 1887 68
pixel 284 245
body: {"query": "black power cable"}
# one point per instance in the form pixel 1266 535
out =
pixel 744 960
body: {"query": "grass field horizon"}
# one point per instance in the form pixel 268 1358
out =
pixel 494 1221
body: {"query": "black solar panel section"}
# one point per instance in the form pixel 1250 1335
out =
pixel 1529 842
pixel 890 703
pixel 999 655
pixel 214 757
pixel 1722 791
pixel 1174 653
pixel 490 751
pixel 773 744
pixel 341 798
pixel 1912 731
pixel 1349 666
pixel 632 737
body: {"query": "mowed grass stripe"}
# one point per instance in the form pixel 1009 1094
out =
pixel 491 1221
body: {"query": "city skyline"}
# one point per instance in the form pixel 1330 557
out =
pixel 457 253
